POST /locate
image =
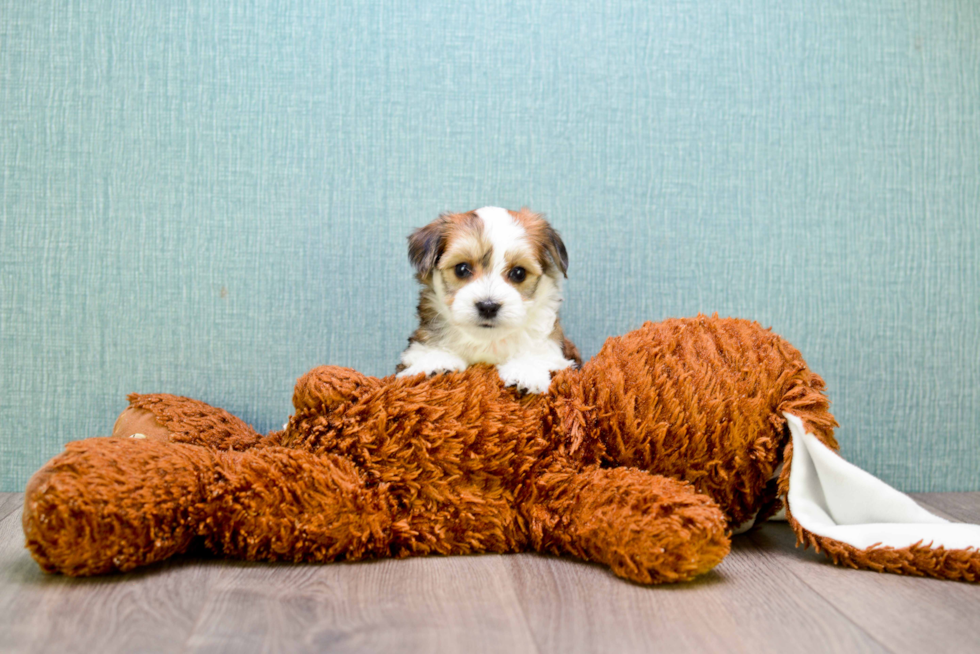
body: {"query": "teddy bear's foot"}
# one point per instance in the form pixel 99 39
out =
pixel 647 528
pixel 139 424
pixel 176 419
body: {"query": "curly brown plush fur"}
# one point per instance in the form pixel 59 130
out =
pixel 642 460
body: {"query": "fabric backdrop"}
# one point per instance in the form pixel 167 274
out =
pixel 209 198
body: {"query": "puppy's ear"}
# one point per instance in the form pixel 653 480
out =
pixel 556 249
pixel 545 238
pixel 426 245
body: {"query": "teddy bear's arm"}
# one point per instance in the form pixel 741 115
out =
pixel 647 528
pixel 287 504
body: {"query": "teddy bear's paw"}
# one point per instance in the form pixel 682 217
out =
pixel 431 362
pixel 528 377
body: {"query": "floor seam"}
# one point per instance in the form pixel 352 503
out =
pixel 204 605
pixel 13 505
pixel 523 611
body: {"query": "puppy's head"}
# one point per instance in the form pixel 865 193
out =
pixel 488 269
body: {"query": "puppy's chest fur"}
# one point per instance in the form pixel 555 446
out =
pixel 543 329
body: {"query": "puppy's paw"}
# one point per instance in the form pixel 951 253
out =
pixel 527 376
pixel 433 362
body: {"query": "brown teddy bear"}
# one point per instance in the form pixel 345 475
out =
pixel 644 460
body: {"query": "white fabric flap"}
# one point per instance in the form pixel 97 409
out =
pixel 833 498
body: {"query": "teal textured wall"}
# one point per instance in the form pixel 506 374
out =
pixel 211 198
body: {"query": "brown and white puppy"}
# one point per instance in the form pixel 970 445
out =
pixel 491 289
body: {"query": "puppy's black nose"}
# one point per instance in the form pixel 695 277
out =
pixel 488 308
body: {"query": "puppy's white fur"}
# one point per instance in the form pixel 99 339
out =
pixel 524 339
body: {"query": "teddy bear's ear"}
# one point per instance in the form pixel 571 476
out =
pixel 324 388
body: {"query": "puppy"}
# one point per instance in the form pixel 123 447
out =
pixel 491 289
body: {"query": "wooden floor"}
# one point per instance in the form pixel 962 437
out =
pixel 766 596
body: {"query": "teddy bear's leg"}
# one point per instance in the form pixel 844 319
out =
pixel 647 528
pixel 110 504
pixel 107 504
pixel 178 419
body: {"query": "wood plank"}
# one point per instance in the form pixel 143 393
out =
pixel 148 610
pixel 905 614
pixel 742 605
pixel 435 604
pixel 961 507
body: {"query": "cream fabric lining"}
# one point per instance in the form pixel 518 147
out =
pixel 832 498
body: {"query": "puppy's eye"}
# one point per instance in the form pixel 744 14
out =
pixel 463 270
pixel 517 275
